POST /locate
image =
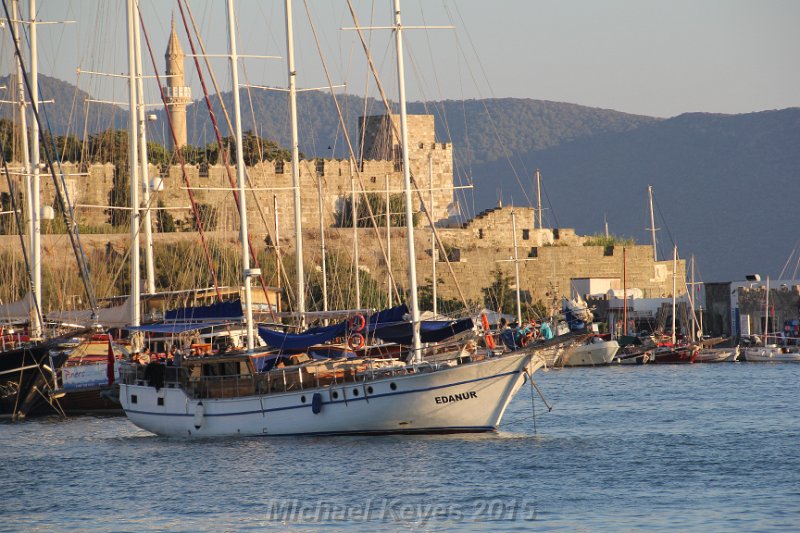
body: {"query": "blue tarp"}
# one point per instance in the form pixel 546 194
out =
pixel 301 341
pixel 430 330
pixel 231 310
pixel 175 327
pixel 296 342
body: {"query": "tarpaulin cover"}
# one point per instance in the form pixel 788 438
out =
pixel 430 330
pixel 301 341
pixel 231 310
pixel 175 327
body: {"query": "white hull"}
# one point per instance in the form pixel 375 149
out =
pixel 771 354
pixel 463 398
pixel 717 355
pixel 592 354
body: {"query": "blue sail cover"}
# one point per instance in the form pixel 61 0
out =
pixel 175 327
pixel 430 330
pixel 231 310
pixel 297 342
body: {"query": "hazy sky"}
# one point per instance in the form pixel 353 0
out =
pixel 658 58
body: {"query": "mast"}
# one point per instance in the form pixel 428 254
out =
pixel 539 196
pixel 36 222
pixel 354 218
pixel 674 287
pixel 625 291
pixel 766 313
pixel 237 116
pixel 691 303
pixel 26 162
pixel 298 230
pixel 135 317
pixel 434 250
pixel 652 222
pixel 516 267
pixel 322 245
pixel 412 259
pixel 388 241
pixel 277 249
pixel 141 126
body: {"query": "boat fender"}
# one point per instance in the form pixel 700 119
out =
pixel 356 341
pixel 199 413
pixel 488 337
pixel 357 323
pixel 316 403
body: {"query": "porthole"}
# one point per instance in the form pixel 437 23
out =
pixel 393 386
pixel 369 389
pixel 303 398
pixel 334 395
pixel 160 401
pixel 355 392
pixel 134 398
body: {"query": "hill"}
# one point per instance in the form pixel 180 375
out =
pixel 724 185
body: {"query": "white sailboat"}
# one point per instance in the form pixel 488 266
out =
pixel 224 396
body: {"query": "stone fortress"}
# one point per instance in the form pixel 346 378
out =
pixel 550 258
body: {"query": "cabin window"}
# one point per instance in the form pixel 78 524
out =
pixel 526 234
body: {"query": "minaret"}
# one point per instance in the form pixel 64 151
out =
pixel 176 93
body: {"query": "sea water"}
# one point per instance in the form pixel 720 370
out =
pixel 684 447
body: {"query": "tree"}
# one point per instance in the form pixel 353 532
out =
pixel 165 223
pixel 499 295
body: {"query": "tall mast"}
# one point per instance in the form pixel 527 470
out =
pixel 412 259
pixel 516 267
pixel 36 224
pixel 135 318
pixel 354 218
pixel 691 303
pixel 766 313
pixel 322 245
pixel 625 291
pixel 298 229
pixel 237 116
pixel 388 241
pixel 277 249
pixel 674 287
pixel 652 222
pixel 145 174
pixel 26 162
pixel 539 196
pixel 434 251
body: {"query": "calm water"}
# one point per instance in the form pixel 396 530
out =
pixel 700 447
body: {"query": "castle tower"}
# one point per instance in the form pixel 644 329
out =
pixel 177 95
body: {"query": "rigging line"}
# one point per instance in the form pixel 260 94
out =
pixel 664 220
pixel 72 228
pixel 412 179
pixel 348 141
pixel 224 109
pixel 224 152
pixel 552 210
pixel 506 152
pixel 21 231
pixel 181 159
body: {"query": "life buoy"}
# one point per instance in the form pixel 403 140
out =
pixel 356 341
pixel 485 322
pixel 357 323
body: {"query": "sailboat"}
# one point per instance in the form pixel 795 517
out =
pixel 224 395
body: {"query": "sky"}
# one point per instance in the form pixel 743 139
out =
pixel 645 57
